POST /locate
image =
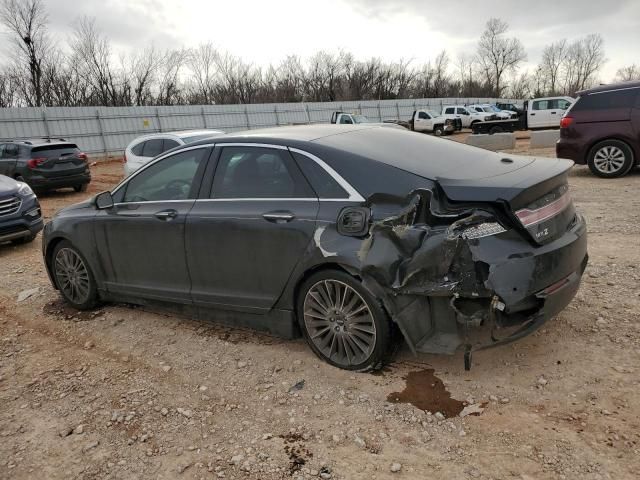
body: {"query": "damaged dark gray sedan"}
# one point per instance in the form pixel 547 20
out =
pixel 345 234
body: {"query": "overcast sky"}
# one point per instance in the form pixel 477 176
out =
pixel 265 31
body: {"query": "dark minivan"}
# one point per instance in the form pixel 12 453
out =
pixel 602 129
pixel 45 164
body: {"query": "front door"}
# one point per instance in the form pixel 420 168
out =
pixel 141 239
pixel 8 159
pixel 244 241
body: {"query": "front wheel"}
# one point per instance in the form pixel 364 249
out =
pixel 438 130
pixel 610 159
pixel 81 188
pixel 73 276
pixel 343 322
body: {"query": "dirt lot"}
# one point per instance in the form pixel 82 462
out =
pixel 125 393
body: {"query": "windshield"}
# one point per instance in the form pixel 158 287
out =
pixel 361 119
pixel 487 109
pixel 433 114
pixel 474 109
pixel 494 108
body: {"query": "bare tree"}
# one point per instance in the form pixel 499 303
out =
pixel 585 58
pixel 26 21
pixel 498 54
pixel 169 88
pixel 8 90
pixel 202 62
pixel 628 73
pixel 142 69
pixel 553 57
pixel 440 76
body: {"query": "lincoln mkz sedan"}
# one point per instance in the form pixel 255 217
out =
pixel 344 234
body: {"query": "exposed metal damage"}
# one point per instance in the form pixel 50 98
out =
pixel 443 275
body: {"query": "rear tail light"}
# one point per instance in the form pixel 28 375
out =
pixel 82 156
pixel 35 162
pixel 529 217
pixel 565 122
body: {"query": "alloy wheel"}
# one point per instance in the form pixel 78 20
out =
pixel 609 159
pixel 339 322
pixel 72 275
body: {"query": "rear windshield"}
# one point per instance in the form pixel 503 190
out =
pixel 55 151
pixel 606 100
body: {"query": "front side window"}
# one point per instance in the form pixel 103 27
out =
pixel 256 172
pixel 540 105
pixel 152 147
pixel 345 119
pixel 423 116
pixel 172 178
pixel 449 111
pixel 9 151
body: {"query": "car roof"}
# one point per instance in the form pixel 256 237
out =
pixel 38 142
pixel 179 134
pixel 610 86
pixel 422 155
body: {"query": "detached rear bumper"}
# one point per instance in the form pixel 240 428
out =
pixel 505 289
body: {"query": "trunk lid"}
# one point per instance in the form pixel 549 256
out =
pixel 536 196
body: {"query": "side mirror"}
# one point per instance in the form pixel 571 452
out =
pixel 103 200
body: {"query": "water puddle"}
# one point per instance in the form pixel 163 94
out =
pixel 427 392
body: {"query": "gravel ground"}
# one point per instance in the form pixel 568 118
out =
pixel 122 392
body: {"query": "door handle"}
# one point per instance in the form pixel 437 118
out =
pixel 532 114
pixel 278 217
pixel 166 215
pixel 553 113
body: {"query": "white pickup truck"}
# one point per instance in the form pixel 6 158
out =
pixel 343 118
pixel 466 115
pixel 432 122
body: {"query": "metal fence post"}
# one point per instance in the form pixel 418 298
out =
pixel 204 118
pixel 306 109
pixel 275 111
pixel 46 123
pixel 398 109
pixel 101 129
pixel 379 112
pixel 158 118
pixel 246 116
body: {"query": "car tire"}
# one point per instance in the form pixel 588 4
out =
pixel 438 130
pixel 81 188
pixel 331 331
pixel 610 159
pixel 73 276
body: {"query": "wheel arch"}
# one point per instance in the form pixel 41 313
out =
pixel 319 268
pixel 49 247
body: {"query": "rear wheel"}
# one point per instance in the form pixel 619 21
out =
pixel 343 322
pixel 610 159
pixel 81 188
pixel 73 276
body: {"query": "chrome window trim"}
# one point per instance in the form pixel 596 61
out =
pixel 156 160
pixel 354 195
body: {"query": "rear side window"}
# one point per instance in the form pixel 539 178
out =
pixel 54 151
pixel 137 149
pixel 607 100
pixel 323 183
pixel 254 172
pixel 169 144
pixel 152 147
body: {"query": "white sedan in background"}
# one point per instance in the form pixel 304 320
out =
pixel 146 147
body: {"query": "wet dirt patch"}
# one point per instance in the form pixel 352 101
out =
pixel 60 309
pixel 296 451
pixel 425 391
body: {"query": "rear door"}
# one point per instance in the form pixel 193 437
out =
pixel 57 160
pixel 141 239
pixel 244 240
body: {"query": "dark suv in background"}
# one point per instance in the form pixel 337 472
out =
pixel 602 129
pixel 45 164
pixel 20 215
